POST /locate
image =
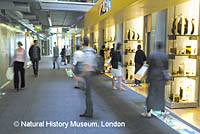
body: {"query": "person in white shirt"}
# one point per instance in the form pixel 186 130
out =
pixel 19 62
pixel 78 65
pixel 55 56
pixel 68 53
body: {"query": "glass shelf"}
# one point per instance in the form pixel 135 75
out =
pixel 184 35
pixel 139 41
pixel 182 55
pixel 178 76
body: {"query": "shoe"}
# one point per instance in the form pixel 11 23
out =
pixel 22 88
pixel 77 87
pixel 146 114
pixel 122 89
pixel 114 88
pixel 134 85
pixel 87 116
pixel 165 113
pixel 17 89
pixel 139 85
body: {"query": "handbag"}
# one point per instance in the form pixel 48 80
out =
pixel 10 73
pixel 108 62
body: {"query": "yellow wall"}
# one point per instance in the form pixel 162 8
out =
pixel 122 10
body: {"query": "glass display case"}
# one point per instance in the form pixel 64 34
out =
pixel 183 51
pixel 109 40
pixel 133 36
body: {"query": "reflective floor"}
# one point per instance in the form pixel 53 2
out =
pixel 52 98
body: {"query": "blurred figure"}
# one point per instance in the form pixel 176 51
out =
pixel 117 70
pixel 95 48
pixel 68 54
pixel 89 71
pixel 139 62
pixel 34 53
pixel 63 55
pixel 112 50
pixel 102 54
pixel 158 62
pixel 78 65
pixel 20 62
pixel 55 56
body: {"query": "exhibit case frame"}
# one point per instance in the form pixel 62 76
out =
pixel 109 39
pixel 133 36
pixel 183 51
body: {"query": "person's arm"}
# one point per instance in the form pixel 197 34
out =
pixel 39 53
pixel 30 51
pixel 25 59
pixel 145 58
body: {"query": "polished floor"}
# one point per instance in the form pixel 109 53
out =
pixel 51 97
pixel 190 115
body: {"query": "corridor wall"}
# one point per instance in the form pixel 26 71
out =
pixel 8 43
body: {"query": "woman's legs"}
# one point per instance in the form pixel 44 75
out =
pixel 16 76
pixel 113 82
pixel 120 82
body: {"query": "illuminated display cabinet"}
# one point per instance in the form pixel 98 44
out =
pixel 183 51
pixel 133 36
pixel 109 35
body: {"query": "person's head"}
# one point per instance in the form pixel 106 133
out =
pixel 64 46
pixel 95 46
pixel 103 46
pixel 54 43
pixel 85 41
pixel 159 45
pixel 78 47
pixel 20 44
pixel 35 42
pixel 113 45
pixel 139 47
pixel 119 46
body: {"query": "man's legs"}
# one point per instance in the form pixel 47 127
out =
pixel 88 97
pixel 34 68
pixel 68 59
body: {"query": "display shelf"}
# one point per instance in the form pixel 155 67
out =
pixel 183 51
pixel 182 54
pixel 187 76
pixel 185 35
pixel 181 104
pixel 139 41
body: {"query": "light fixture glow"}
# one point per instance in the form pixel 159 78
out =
pixel 50 22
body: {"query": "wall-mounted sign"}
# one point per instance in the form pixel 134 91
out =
pixel 104 7
pixel 38 28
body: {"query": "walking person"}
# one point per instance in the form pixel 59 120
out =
pixel 68 54
pixel 78 65
pixel 63 55
pixel 34 53
pixel 55 56
pixel 158 62
pixel 20 62
pixel 102 54
pixel 89 68
pixel 139 62
pixel 112 50
pixel 117 70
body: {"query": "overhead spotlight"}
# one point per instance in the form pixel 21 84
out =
pixel 50 22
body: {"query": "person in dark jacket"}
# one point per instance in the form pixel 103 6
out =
pixel 139 62
pixel 117 70
pixel 34 53
pixel 112 50
pixel 102 54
